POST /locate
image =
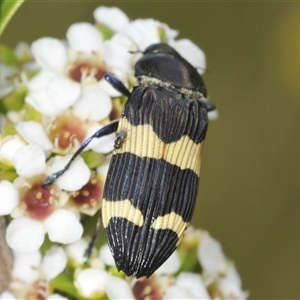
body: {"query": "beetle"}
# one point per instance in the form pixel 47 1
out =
pixel 153 178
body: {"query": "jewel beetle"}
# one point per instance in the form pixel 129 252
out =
pixel 153 178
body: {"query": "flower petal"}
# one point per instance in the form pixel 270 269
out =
pixel 8 148
pixel 103 169
pixel 7 296
pixel 171 265
pixel 56 297
pixel 143 32
pixel 24 235
pixel 106 256
pixel 50 54
pixel 29 161
pixel 176 292
pixel 191 52
pixel 210 256
pixel 231 285
pixel 93 104
pixel 213 115
pixel 54 262
pixel 34 133
pixel 39 100
pixel 9 197
pixel 112 17
pixel 40 80
pixel 84 37
pixel 76 250
pixel 26 266
pixel 62 92
pixel 90 282
pixel 63 227
pixel 77 175
pixel 193 283
pixel 116 52
pixel 118 288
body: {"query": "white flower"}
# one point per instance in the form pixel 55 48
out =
pixel 193 283
pixel 40 212
pixel 7 295
pixel 211 257
pixel 54 262
pixel 76 250
pixel 231 285
pixel 24 235
pixel 118 288
pixel 145 32
pixel 187 286
pixel 31 271
pixel 26 267
pixel 75 177
pixel 84 37
pixel 9 197
pixel 170 266
pixel 8 148
pixel 93 104
pixel 112 17
pixel 117 55
pixel 34 133
pixel 63 227
pixel 50 54
pixel 66 69
pixel 56 94
pixel 106 256
pixel 29 161
pixel 90 282
pixel 191 52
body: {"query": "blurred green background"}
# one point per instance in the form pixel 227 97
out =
pixel 250 190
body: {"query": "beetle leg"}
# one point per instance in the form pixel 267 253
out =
pixel 108 129
pixel 209 105
pixel 117 84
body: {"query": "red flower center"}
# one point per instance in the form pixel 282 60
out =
pixel 87 69
pixel 39 202
pixel 89 196
pixel 67 132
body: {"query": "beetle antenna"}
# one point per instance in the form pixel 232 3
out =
pixel 88 251
pixel 135 52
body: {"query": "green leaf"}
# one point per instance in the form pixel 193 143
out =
pixel 7 9
pixel 13 101
pixel 7 173
pixel 92 159
pixel 105 31
pixel 64 283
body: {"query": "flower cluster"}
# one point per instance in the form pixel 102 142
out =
pixel 53 96
pixel 198 269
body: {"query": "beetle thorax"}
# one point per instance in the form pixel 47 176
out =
pixel 152 81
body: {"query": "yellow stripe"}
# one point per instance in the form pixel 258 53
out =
pixel 142 141
pixel 171 221
pixel 121 209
